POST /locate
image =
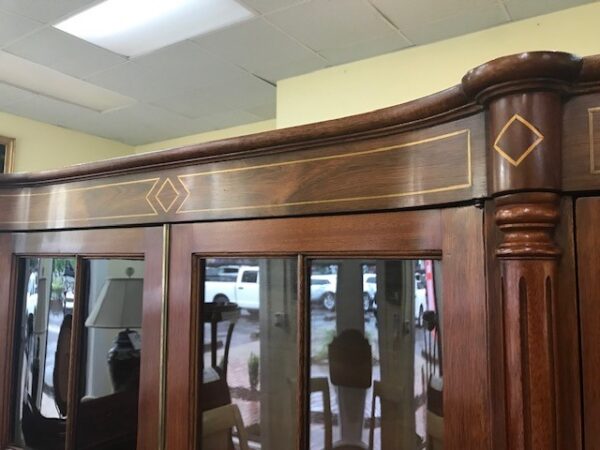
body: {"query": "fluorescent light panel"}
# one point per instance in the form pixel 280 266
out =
pixel 32 77
pixel 136 27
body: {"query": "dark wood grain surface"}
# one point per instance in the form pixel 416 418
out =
pixel 7 323
pixel 467 399
pixel 528 256
pixel 588 258
pixel 439 165
pixel 566 330
pixel 411 233
pixel 581 143
pixel 525 142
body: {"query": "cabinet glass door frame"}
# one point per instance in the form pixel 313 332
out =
pixel 127 243
pixel 453 235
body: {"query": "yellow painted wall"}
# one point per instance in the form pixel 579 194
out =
pixel 240 130
pixel 338 91
pixel 419 71
pixel 40 146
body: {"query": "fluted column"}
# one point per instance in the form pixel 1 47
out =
pixel 524 95
pixel 529 260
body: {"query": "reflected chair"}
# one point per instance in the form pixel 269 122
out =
pixel 435 413
pixel 350 366
pixel 321 384
pixel 217 424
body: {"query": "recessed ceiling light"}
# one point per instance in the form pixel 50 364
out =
pixel 135 27
pixel 32 77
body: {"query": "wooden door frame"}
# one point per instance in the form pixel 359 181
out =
pixel 147 243
pixel 455 235
pixel 587 216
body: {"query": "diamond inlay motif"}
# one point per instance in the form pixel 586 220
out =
pixel 519 129
pixel 167 195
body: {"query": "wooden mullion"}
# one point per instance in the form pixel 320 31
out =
pixel 197 307
pixel 74 384
pixel 303 331
pixel 9 288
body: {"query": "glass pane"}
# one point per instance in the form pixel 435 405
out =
pixel 43 333
pixel 111 351
pixel 376 365
pixel 250 353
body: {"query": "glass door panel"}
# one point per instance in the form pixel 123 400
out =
pixel 376 377
pixel 250 364
pixel 42 347
pixel 111 352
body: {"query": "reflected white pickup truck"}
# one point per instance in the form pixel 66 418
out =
pixel 240 288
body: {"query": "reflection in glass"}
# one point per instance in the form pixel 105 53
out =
pixel 376 371
pixel 43 332
pixel 250 353
pixel 108 407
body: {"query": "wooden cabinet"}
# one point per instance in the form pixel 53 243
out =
pixel 421 276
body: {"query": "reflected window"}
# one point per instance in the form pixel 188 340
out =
pixel 43 335
pixel 376 376
pixel 250 364
pixel 109 354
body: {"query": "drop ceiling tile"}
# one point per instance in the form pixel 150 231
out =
pixel 326 25
pixel 138 124
pixel 456 25
pixel 275 71
pixel 49 110
pixel 366 49
pixel 188 66
pixel 266 111
pixel 46 11
pixel 522 9
pixel 260 48
pixel 265 6
pixel 10 94
pixel 420 13
pixel 137 82
pixel 65 53
pixel 194 104
pixel 232 119
pixel 246 92
pixel 13 27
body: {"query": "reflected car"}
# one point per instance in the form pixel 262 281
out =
pixel 369 291
pixel 322 290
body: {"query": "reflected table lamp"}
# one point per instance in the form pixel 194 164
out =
pixel 119 306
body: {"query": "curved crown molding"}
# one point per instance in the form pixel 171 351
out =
pixel 457 101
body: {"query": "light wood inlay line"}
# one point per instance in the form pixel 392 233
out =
pixel 466 132
pixel 528 150
pixel 67 192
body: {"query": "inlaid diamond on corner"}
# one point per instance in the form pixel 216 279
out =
pixel 167 195
pixel 517 124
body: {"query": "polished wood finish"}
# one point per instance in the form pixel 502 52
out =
pixel 113 243
pixel 442 164
pixel 528 257
pixel 7 323
pixel 519 137
pixel 467 401
pixel 416 234
pixel 588 258
pixel 504 74
pixel 411 233
pixel 581 143
pixel 525 138
pixel 566 326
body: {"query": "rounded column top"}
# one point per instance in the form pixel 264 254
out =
pixel 538 70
